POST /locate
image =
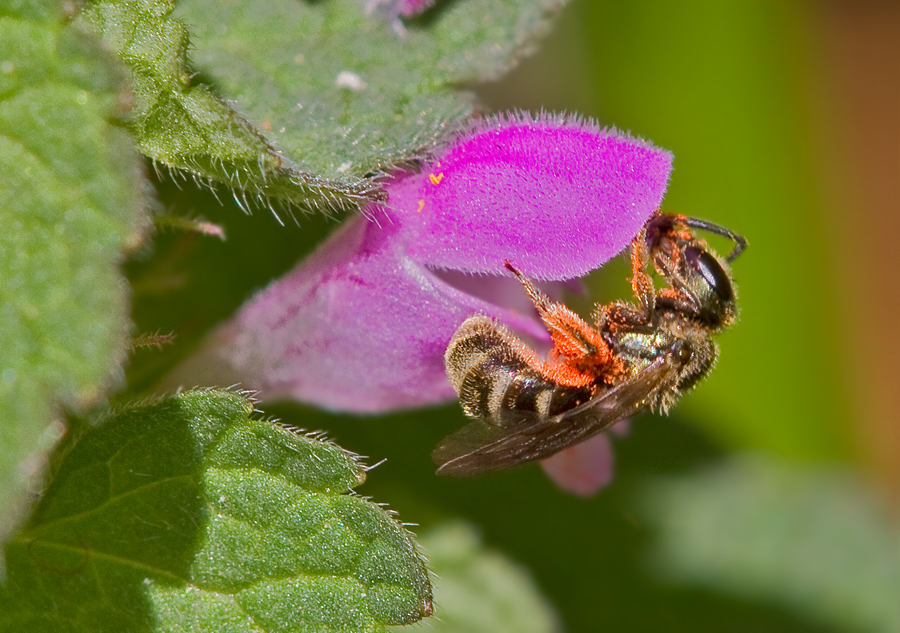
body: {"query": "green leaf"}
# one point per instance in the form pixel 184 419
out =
pixel 69 205
pixel 181 124
pixel 301 137
pixel 341 92
pixel 188 515
pixel 812 538
pixel 480 590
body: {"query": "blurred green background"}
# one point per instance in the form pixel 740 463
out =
pixel 772 111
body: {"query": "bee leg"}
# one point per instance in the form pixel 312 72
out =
pixel 577 342
pixel 623 315
pixel 641 283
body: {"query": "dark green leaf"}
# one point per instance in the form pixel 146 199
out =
pixel 189 515
pixel 69 205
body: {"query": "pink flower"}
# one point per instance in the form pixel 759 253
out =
pixel 584 468
pixel 362 324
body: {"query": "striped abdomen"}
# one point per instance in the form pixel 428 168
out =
pixel 497 378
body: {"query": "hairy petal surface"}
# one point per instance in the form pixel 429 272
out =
pixel 556 197
pixel 362 325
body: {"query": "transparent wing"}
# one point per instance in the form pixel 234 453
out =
pixel 481 447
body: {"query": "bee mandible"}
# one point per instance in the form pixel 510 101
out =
pixel 640 356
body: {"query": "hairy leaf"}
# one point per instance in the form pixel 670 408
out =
pixel 189 515
pixel 181 124
pixel 69 205
pixel 340 90
pixel 324 97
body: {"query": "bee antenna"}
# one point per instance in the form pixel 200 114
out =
pixel 740 242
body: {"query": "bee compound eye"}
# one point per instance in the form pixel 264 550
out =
pixel 707 267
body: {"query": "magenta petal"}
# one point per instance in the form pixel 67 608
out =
pixel 356 327
pixel 582 469
pixel 362 324
pixel 556 197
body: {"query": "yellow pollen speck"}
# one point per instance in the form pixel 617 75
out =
pixel 421 206
pixel 436 180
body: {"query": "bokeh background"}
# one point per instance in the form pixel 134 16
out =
pixel 769 499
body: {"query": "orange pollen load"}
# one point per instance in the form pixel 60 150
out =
pixel 605 370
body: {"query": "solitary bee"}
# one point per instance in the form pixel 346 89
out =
pixel 639 357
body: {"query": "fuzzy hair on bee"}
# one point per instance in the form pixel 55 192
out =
pixel 638 357
pixel 497 377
